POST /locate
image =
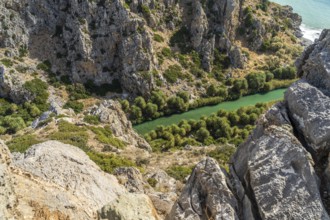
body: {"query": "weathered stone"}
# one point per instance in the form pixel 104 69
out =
pixel 206 195
pixel 128 207
pixel 310 109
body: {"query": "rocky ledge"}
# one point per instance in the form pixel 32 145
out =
pixel 282 171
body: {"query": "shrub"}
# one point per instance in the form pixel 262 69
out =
pixel 7 62
pixel 13 124
pixel 173 73
pixel 22 143
pixel 92 119
pixel 104 135
pixel 39 91
pixel 179 172
pixel 256 81
pixel 75 105
pixel 109 162
pixel 152 182
pixel 158 38
pixel 166 52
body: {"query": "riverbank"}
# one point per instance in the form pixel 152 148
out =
pixel 208 110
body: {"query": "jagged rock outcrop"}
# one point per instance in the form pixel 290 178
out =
pixel 11 85
pixel 206 195
pixel 97 41
pixel 53 180
pixel 282 170
pixel 111 113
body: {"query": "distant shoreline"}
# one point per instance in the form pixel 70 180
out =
pixel 309 34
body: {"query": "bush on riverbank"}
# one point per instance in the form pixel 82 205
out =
pixel 222 127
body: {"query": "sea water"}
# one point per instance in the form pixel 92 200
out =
pixel 315 15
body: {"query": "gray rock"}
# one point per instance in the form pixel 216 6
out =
pixel 206 195
pixel 310 109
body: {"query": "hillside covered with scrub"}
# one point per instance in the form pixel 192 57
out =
pixel 76 76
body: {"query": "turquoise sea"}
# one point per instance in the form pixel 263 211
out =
pixel 315 15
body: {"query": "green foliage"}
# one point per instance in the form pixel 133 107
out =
pixel 166 52
pixel 179 172
pixel 256 81
pixel 7 62
pixel 71 134
pixel 12 124
pixel 173 73
pixel 75 105
pixel 232 127
pixel 22 143
pixel 109 162
pixel 39 92
pixel 92 119
pixel 180 39
pixel 288 72
pixel 45 66
pixel 152 182
pixel 104 135
pixel 158 38
pixel 77 91
pixel 223 154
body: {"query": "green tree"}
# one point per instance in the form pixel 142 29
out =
pixel 13 124
pixel 202 134
pixel 136 114
pixel 140 102
pixel 177 104
pixel 158 98
pixel 256 81
pixel 151 111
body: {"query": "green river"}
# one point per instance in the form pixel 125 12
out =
pixel 208 110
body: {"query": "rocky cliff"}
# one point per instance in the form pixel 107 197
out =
pixel 282 170
pixel 112 43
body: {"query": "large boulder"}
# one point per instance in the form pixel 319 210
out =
pixel 62 177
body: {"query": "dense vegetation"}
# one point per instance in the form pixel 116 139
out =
pixel 220 128
pixel 159 105
pixel 14 117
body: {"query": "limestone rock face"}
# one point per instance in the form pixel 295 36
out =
pixel 110 112
pixel 100 42
pixel 206 195
pixel 282 169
